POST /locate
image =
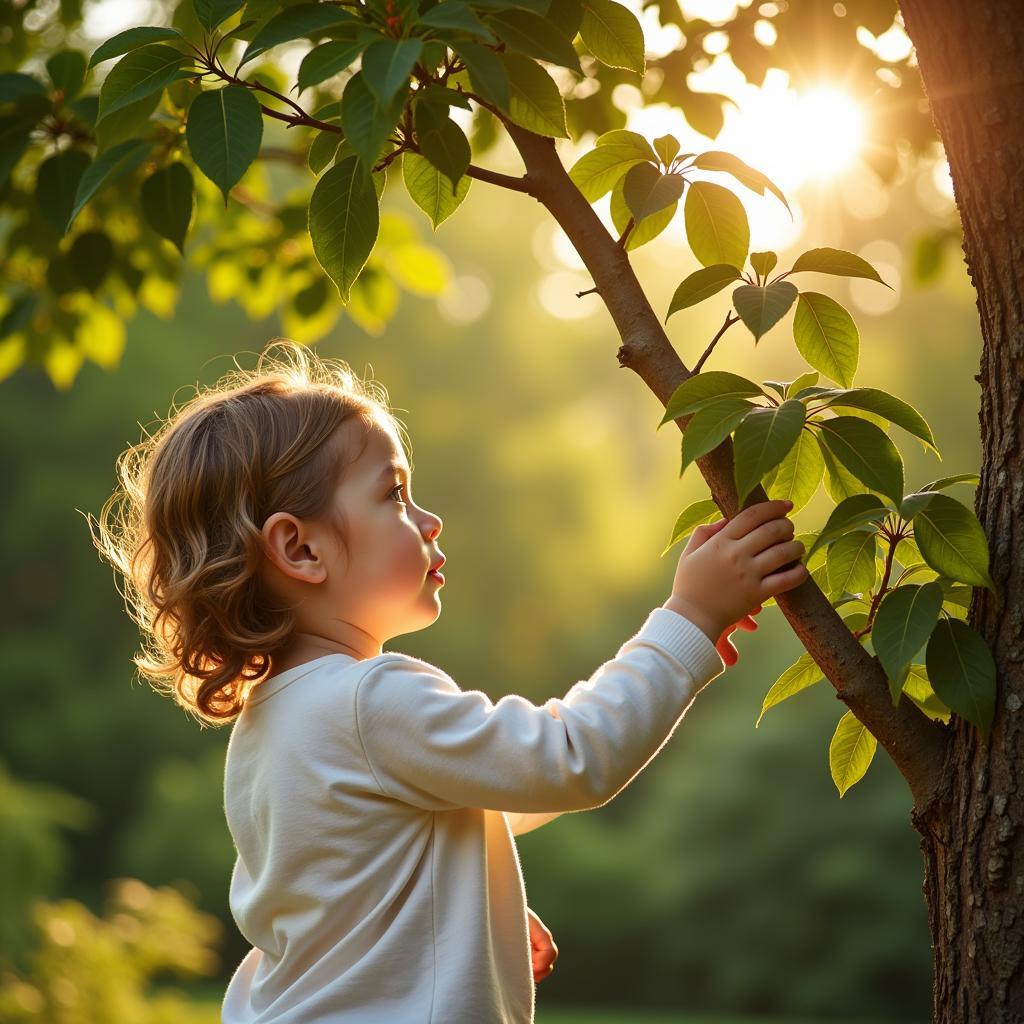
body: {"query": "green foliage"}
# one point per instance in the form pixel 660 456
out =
pixel 89 968
pixel 33 857
pixel 182 97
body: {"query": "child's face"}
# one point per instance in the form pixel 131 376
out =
pixel 382 585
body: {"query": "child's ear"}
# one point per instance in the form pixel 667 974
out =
pixel 291 548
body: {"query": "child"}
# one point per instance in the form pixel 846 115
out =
pixel 271 545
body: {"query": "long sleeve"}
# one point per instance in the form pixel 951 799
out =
pixel 433 745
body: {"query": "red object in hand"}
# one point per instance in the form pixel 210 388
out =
pixel 725 647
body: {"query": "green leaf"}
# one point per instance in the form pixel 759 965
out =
pixel 840 483
pixel 127 123
pixel 458 16
pixel 623 137
pixel 761 307
pixel 850 752
pixel 328 59
pixel 905 619
pixel 366 121
pixel 110 165
pixel 91 258
pixel 963 673
pixel 836 261
pixel 952 541
pixel 642 231
pixel 387 65
pixel 430 190
pixel 804 672
pixel 850 513
pixel 534 36
pixel 710 426
pixel 143 71
pixel 442 97
pixel 67 72
pixel 946 481
pixel 132 39
pixel 322 150
pixel 536 104
pixel 646 190
pixel 166 199
pixel 919 689
pixel 486 73
pixel 704 110
pixel 224 131
pixel 700 512
pixel 762 441
pixel 893 409
pixel 700 388
pixel 295 23
pixel 763 263
pixel 797 476
pixel 867 452
pixel 596 172
pixel 850 563
pixel 344 219
pixel 701 285
pixel 826 336
pixel 57 185
pixel 805 380
pixel 716 225
pixel 718 160
pixel 614 35
pixel 14 86
pixel 15 136
pixel 667 147
pixel 441 140
pixel 211 13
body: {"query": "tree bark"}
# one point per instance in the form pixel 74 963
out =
pixel 971 58
pixel 917 745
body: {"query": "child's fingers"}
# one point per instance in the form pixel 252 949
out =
pixel 780 582
pixel 703 533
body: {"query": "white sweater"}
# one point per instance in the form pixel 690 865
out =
pixel 373 803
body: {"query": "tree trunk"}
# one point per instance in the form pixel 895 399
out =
pixel 971 57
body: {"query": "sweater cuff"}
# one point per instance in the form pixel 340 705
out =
pixel 686 642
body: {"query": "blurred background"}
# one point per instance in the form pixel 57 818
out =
pixel 729 881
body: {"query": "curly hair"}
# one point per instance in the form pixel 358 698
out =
pixel 183 527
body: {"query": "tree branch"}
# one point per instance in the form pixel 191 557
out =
pixel 917 745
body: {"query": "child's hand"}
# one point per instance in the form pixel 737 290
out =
pixel 543 951
pixel 731 566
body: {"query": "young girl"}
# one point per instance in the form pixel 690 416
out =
pixel 271 545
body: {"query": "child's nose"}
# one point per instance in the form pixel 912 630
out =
pixel 433 525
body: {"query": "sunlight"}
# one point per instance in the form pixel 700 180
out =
pixel 795 137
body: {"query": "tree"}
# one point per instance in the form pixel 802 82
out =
pixel 170 106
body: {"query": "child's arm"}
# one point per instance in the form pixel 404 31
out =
pixel 433 745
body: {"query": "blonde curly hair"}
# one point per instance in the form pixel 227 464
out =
pixel 182 529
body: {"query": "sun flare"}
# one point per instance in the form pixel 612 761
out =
pixel 821 133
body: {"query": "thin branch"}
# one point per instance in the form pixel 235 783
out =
pixel 300 117
pixel 729 321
